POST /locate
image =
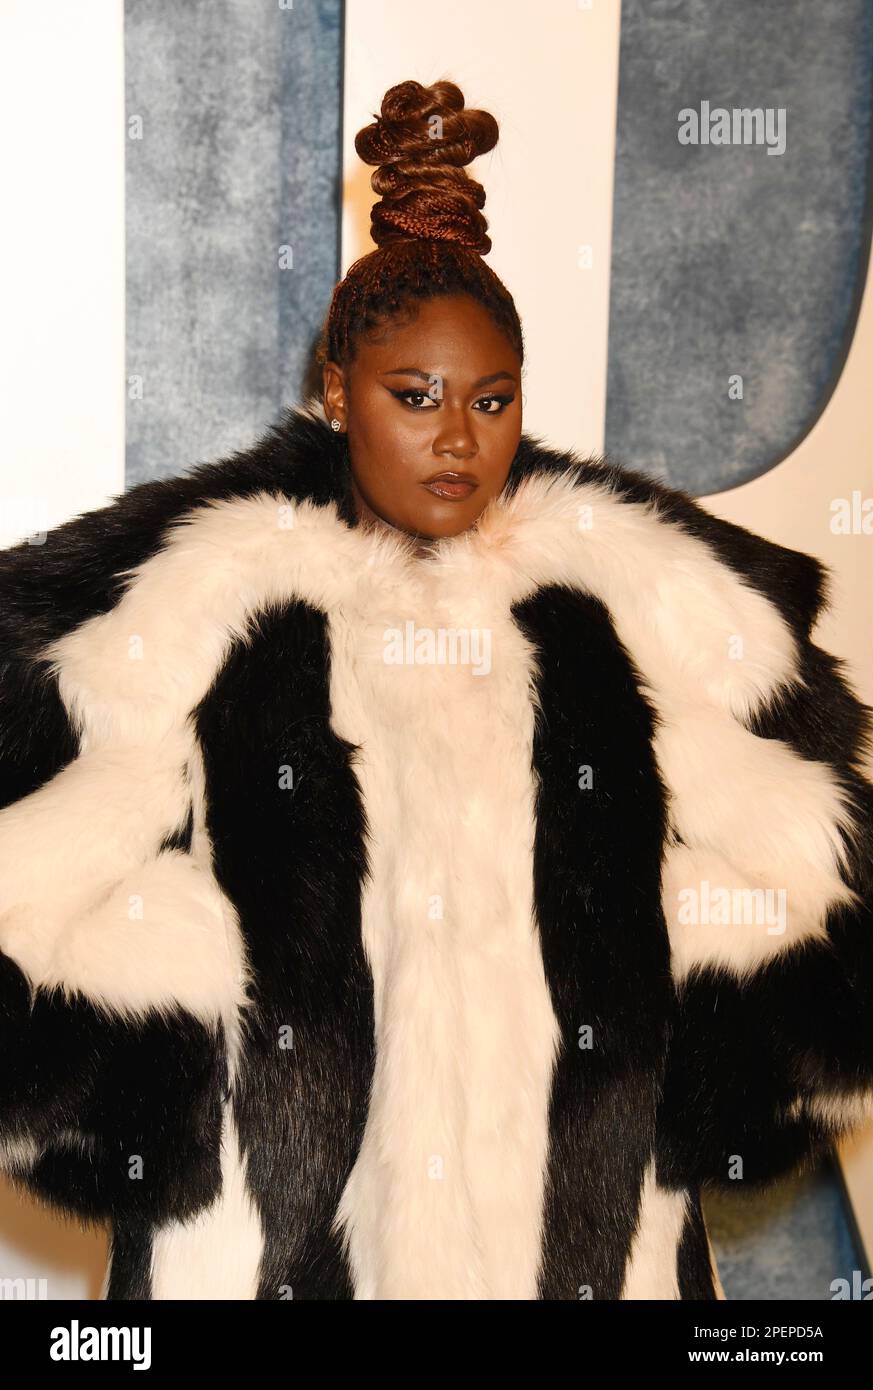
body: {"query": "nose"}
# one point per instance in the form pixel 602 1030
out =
pixel 455 437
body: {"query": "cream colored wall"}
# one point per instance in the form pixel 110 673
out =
pixel 61 260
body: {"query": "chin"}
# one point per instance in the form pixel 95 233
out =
pixel 446 519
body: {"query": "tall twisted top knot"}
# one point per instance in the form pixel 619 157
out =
pixel 421 141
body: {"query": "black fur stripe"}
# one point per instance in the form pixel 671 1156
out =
pixel 181 838
pixel 95 1094
pixel 130 1263
pixel 36 737
pixel 817 714
pixel 292 860
pixel 604 939
pixel 693 1264
pixel 740 1054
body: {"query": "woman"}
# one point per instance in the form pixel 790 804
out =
pixel 428 858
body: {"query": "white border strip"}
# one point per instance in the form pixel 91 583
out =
pixel 61 261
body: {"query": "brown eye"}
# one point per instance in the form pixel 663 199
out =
pixel 411 392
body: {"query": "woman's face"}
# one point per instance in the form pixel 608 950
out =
pixel 436 394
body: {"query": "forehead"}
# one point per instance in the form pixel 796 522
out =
pixel 452 332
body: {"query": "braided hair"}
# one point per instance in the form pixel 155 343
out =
pixel 428 226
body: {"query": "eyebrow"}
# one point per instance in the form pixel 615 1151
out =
pixel 425 376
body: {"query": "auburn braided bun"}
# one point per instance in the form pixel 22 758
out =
pixel 421 141
pixel 428 226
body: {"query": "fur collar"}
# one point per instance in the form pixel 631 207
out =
pixel 274 524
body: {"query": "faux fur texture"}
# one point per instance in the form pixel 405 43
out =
pixel 459 916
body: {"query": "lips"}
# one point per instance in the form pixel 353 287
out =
pixel 453 487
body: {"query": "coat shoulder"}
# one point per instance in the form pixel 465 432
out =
pixel 78 570
pixel 797 583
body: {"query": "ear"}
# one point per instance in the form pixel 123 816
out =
pixel 334 393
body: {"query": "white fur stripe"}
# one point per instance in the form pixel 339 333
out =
pixel 652 1269
pixel 100 816
pixel 135 673
pixel 755 817
pixel 692 626
pixel 163 937
pixel 217 1254
pixel 445 1199
pixel 18 1154
pixel 87 903
pixel 838 1112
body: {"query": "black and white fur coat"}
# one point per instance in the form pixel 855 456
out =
pixel 386 927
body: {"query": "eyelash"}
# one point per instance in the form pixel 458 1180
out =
pixel 411 391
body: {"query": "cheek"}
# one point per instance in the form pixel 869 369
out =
pixel 391 449
pixel 380 417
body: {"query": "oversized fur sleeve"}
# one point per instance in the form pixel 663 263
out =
pixel 771 1051
pixel 110 1089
